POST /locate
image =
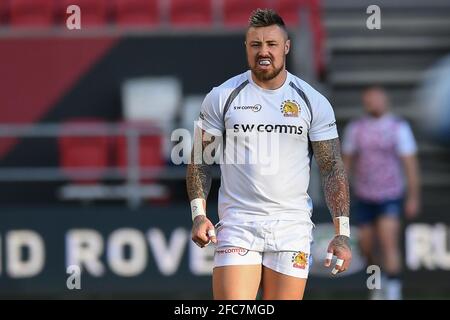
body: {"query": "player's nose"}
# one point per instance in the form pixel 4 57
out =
pixel 264 51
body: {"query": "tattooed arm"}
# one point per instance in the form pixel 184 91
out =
pixel 198 183
pixel 337 195
pixel 198 177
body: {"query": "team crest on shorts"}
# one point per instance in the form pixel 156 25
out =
pixel 290 108
pixel 300 260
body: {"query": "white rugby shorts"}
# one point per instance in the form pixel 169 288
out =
pixel 283 246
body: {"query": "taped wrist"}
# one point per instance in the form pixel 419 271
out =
pixel 198 207
pixel 342 226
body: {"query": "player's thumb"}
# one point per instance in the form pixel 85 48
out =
pixel 212 234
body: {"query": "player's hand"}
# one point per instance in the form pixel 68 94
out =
pixel 203 231
pixel 412 206
pixel 340 248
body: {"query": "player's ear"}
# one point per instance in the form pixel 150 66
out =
pixel 287 46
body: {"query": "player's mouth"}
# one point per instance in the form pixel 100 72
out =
pixel 264 63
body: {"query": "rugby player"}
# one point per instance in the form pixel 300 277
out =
pixel 264 234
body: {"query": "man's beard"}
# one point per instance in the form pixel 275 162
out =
pixel 264 75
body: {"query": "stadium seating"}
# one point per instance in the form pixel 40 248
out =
pixel 148 13
pixel 236 12
pixel 136 12
pixel 3 12
pixel 290 10
pixel 151 98
pixel 150 148
pixel 31 13
pixel 191 12
pixel 189 112
pixel 93 13
pixel 318 34
pixel 155 100
pixel 84 151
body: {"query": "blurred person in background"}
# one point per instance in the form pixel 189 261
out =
pixel 378 150
pixel 265 228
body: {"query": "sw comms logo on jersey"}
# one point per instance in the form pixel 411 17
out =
pixel 232 250
pixel 254 108
pixel 290 108
pixel 300 260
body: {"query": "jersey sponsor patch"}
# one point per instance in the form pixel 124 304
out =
pixel 275 128
pixel 254 108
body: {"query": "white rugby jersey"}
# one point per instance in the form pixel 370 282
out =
pixel 279 124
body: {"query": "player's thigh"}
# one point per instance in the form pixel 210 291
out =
pixel 388 229
pixel 278 286
pixel 236 282
pixel 284 274
pixel 366 235
pixel 237 273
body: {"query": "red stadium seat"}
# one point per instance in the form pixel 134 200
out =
pixel 237 12
pixel 150 149
pixel 32 13
pixel 290 10
pixel 93 12
pixel 4 8
pixel 195 13
pixel 84 151
pixel 136 12
pixel 318 31
pixel 151 157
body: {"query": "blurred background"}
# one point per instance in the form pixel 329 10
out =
pixel 86 117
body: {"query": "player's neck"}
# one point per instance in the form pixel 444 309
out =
pixel 272 84
pixel 378 115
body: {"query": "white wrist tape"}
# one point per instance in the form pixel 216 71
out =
pixel 339 263
pixel 198 208
pixel 211 233
pixel 343 226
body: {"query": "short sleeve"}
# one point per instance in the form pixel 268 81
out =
pixel 210 118
pixel 323 125
pixel 349 140
pixel 406 144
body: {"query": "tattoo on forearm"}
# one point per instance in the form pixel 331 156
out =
pixel 333 176
pixel 198 177
pixel 198 181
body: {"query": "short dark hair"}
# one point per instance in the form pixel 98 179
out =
pixel 265 18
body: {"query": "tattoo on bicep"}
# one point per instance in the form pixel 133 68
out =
pixel 333 176
pixel 198 175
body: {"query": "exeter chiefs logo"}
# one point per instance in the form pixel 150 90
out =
pixel 300 260
pixel 290 108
